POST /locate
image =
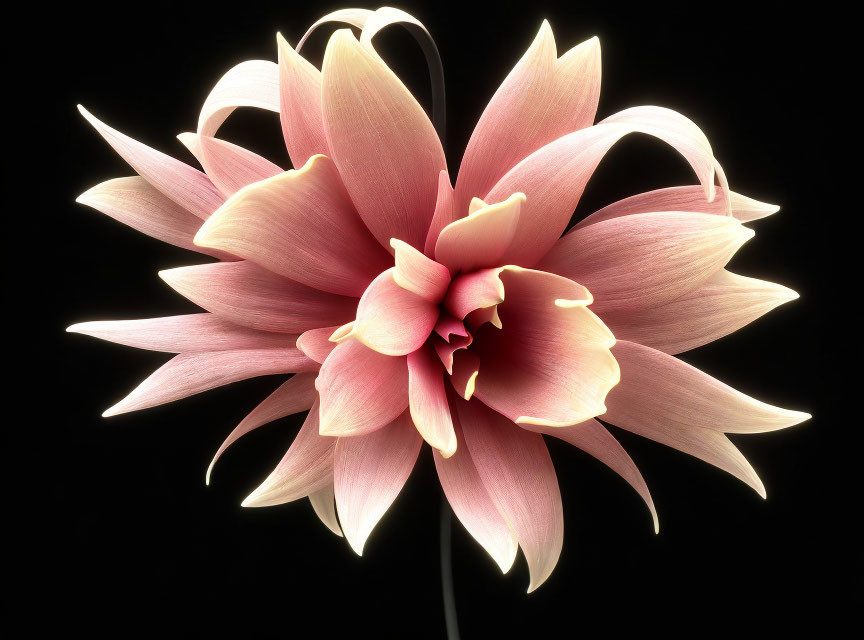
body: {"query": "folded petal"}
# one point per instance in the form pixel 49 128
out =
pixel 445 211
pixel 595 440
pixel 465 369
pixel 550 364
pixel 182 334
pixel 316 343
pixel 471 291
pixel 472 503
pixel 245 294
pixel 446 349
pixel 419 274
pixel 190 373
pixel 384 145
pixel 138 204
pixel 229 166
pixel 324 503
pixel 517 471
pixel 181 183
pixel 480 240
pixel 554 177
pixel 427 401
pixel 360 389
pixel 690 198
pixel 254 83
pixel 369 472
pixel 302 225
pixel 307 467
pixel 293 396
pixel 722 304
pixel 392 320
pixel 542 99
pixel 648 259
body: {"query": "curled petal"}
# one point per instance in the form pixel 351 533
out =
pixel 302 225
pixel 471 291
pixel 360 389
pixel 369 472
pixel 307 467
pixel 427 401
pixel 447 349
pixel 419 274
pixel 245 294
pixel 229 166
pixel 465 369
pixel 648 259
pixel 293 396
pixel 517 471
pixel 182 334
pixel 324 503
pixel 254 83
pixel 722 304
pixel 384 145
pixel 354 17
pixel 190 373
pixel 316 343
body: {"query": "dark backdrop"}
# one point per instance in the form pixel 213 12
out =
pixel 115 526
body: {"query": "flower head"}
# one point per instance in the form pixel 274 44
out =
pixel 468 316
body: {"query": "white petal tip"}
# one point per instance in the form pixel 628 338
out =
pixel 112 411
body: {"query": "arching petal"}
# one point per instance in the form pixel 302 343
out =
pixel 293 396
pixel 307 467
pixel 324 503
pixel 190 373
pixel 354 17
pixel 419 274
pixel 299 224
pixel 384 145
pixel 254 83
pixel 427 401
pixel 245 294
pixel 360 389
pixel 369 472
pixel 648 259
pixel 517 471
pixel 182 334
pixel 316 343
pixel 229 166
pixel 179 182
pixel 722 304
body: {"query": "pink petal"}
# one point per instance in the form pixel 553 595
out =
pixel 361 390
pixel 471 291
pixel 447 349
pixel 316 343
pixel 690 198
pixel 419 274
pixel 254 83
pixel 472 503
pixel 384 145
pixel 186 186
pixel 550 364
pixel 722 304
pixel 136 203
pixel 293 396
pixel 369 472
pixel 245 294
pixel 324 503
pixel 392 320
pixel 307 467
pixel 427 401
pixel 648 259
pixel 554 177
pixel 480 240
pixel 448 326
pixel 229 167
pixel 517 471
pixel 595 440
pixel 300 105
pixel 445 211
pixel 465 369
pixel 302 225
pixel 190 373
pixel 542 99
pixel 181 334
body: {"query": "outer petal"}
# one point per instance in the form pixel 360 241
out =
pixel 306 468
pixel 419 274
pixel 384 145
pixel 472 503
pixel 190 373
pixel 186 186
pixel 445 211
pixel 302 225
pixel 138 204
pixel 690 198
pixel 316 343
pixel 392 320
pixel 324 503
pixel 554 176
pixel 369 472
pixel 181 334
pixel 293 396
pixel 229 166
pixel 245 294
pixel 541 100
pixel 361 390
pixel 254 83
pixel 427 401
pixel 517 471
pixel 480 240
pixel 719 306
pixel 648 259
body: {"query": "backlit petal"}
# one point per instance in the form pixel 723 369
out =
pixel 324 503
pixel 254 83
pixel 229 167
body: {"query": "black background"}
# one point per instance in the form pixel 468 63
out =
pixel 114 527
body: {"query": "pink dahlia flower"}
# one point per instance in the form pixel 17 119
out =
pixel 468 316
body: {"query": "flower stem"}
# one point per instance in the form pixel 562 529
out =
pixel 447 574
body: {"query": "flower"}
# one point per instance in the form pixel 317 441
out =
pixel 468 316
